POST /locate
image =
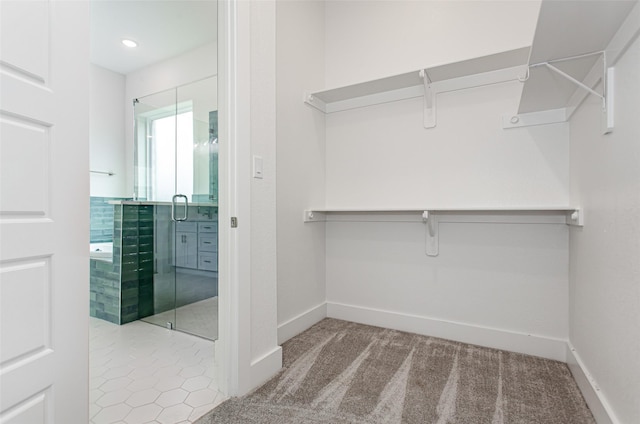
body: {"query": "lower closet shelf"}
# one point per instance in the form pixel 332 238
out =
pixel 433 216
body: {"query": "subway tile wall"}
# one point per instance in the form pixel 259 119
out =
pixel 122 290
pixel 104 280
pixel 101 216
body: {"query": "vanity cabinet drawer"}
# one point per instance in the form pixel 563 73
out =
pixel 207 243
pixel 208 262
pixel 207 227
pixel 187 227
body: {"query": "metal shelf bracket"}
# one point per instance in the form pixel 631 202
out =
pixel 314 216
pixel 607 88
pixel 575 218
pixel 543 117
pixel 431 233
pixel 429 101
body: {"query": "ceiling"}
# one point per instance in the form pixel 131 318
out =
pixel 162 29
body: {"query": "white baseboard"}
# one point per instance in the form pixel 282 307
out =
pixel 298 324
pixel 265 367
pixel 545 347
pixel 599 406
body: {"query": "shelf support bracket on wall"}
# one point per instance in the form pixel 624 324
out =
pixel 575 218
pixel 431 233
pixel 429 101
pixel 542 117
pixel 314 216
pixel 607 90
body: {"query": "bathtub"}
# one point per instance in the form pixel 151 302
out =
pixel 102 251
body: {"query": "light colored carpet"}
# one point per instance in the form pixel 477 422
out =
pixel 342 372
pixel 198 318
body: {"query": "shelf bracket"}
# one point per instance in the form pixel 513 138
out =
pixel 607 90
pixel 312 100
pixel 575 218
pixel 573 80
pixel 431 233
pixel 543 117
pixel 314 216
pixel 429 100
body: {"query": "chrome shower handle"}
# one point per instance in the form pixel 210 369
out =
pixel 173 207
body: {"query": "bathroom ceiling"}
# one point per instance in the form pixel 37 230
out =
pixel 162 29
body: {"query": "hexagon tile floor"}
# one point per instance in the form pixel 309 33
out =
pixel 141 373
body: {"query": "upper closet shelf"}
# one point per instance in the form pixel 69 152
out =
pixel 574 46
pixel 426 82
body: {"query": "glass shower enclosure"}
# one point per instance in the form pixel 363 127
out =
pixel 176 171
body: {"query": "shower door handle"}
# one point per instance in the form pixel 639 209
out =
pixel 173 207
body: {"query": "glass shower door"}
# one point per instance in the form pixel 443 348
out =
pixel 176 170
pixel 155 182
pixel 196 238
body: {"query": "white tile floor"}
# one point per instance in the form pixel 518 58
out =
pixel 141 373
pixel 198 318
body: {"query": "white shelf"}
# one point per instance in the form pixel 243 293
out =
pixel 432 217
pixel 452 209
pixel 565 30
pixel 530 214
pixel 475 72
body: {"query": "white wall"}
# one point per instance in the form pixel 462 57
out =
pixel 605 265
pixel 382 156
pixel 507 279
pixel 107 133
pixel 301 166
pixel 189 67
pixel 373 39
pixel 511 280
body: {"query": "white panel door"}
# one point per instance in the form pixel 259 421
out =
pixel 44 211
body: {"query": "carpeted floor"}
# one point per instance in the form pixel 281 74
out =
pixel 340 372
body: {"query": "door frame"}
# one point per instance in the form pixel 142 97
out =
pixel 233 347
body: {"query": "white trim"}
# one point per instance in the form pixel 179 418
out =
pixel 265 367
pixel 530 344
pixel 600 408
pixel 226 361
pixel 233 346
pixel 301 322
pixel 240 206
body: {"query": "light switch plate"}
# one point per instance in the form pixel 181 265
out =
pixel 257 167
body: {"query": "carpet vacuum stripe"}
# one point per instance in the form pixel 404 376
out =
pixel 342 372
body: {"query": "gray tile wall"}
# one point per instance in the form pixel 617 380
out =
pixel 104 278
pixel 122 290
pixel 101 216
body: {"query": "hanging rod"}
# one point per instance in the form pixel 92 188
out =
pixel 109 173
pixel 564 59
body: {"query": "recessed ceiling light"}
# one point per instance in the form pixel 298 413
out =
pixel 129 43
